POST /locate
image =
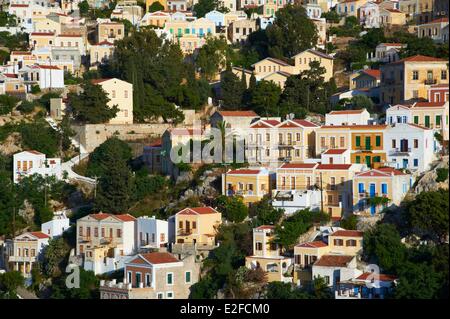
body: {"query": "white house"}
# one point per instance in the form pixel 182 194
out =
pixel 336 156
pixel 387 52
pixel 347 117
pixel 151 232
pixel 410 146
pixel 33 162
pixel 369 15
pixel 335 268
pixel 217 17
pixel 55 227
pixel 46 76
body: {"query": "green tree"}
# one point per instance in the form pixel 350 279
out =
pixel 213 56
pixel 115 189
pixel 362 102
pixel 99 159
pixel 83 6
pixel 265 213
pixel 232 91
pixel 156 6
pixel 350 222
pixel 9 282
pixel 291 33
pixel 55 255
pixel 436 220
pixel 441 174
pixel 417 281
pixel 26 107
pixel 235 209
pixel 265 98
pixel 7 103
pixel 40 136
pixel 90 106
pixel 202 7
pixel 383 246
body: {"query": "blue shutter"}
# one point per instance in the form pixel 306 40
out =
pixel 384 188
pixel 360 187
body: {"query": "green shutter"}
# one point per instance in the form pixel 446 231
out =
pixel 368 147
pixel 358 159
pixel 377 140
pixel 368 160
pixel 376 159
pixel 188 276
pixel 427 121
pixel 358 141
pixel 416 119
pixel 438 120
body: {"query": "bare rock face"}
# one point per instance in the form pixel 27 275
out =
pixel 428 181
pixel 27 212
pixel 11 144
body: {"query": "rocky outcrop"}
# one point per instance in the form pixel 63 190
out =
pixel 428 181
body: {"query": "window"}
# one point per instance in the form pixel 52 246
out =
pixel 394 143
pixel 444 75
pixel 268 137
pixel 416 119
pixel 416 143
pixel 103 232
pixel 169 278
pixel 80 231
pixel 126 94
pixel 88 231
pixel 358 159
pixel 377 140
pixel 351 243
pixel 438 120
pixel 415 75
pixel 384 188
pixel 342 141
pixel 358 141
pixel 360 188
pixel 416 162
pixel 119 233
pixel 113 94
pixel 258 246
pixel 187 277
pixel 338 242
pixel 169 295
pixel 148 282
pixel 160 295
pixel 298 137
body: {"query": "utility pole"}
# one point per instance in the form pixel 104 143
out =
pixel 95 187
pixel 321 192
pixel 14 210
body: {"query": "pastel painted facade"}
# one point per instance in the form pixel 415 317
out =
pixel 409 79
pixel 155 275
pixel 251 184
pixel 347 117
pixel 23 252
pixel 438 93
pixel 151 232
pixel 41 39
pixel 197 226
pixel 267 255
pixel 105 240
pixel 321 27
pixel 369 15
pixel 435 30
pixel 110 31
pixel 157 19
pixel 383 182
pixel 239 30
pixel 120 93
pixel 349 7
pixel 302 62
pixel 57 226
pixel 46 76
pixel 27 163
pixel 381 285
pixel 410 146
pixel 270 65
pixel 335 268
pixel 101 52
pixel 233 119
pixel 367 79
pixel 391 17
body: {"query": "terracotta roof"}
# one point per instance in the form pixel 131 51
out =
pixel 123 217
pixel 296 123
pixel 244 171
pixel 334 166
pixel 159 258
pixel 334 261
pixel 16 5
pixel 381 277
pixel 265 124
pixel 442 85
pixel 321 54
pixel 97 81
pixel 69 35
pixel 46 67
pixel 105 42
pixel 374 73
pixel 428 104
pixel 34 152
pixel 42 33
pixel 367 127
pixel 39 234
pixel 299 165
pixel 348 233
pixel 198 211
pixel 11 75
pixel 335 151
pixel 440 20
pixel 313 244
pixel 265 227
pixel 305 123
pixel 419 126
pixel 421 58
pixel 20 53
pixel 156 143
pixel 238 113
pixel 278 61
pixel 393 44
pixel 393 10
pixel 381 172
pixel 345 112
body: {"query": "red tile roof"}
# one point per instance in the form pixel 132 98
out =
pixel 305 123
pixel 393 44
pixel 16 5
pixel 105 42
pixel 42 33
pixel 69 35
pixel 46 67
pixel 244 171
pixel 198 211
pixel 159 258
pixel 296 123
pixel 374 73
pixel 265 227
pixel 122 217
pixel 20 53
pixel 381 172
pixel 367 127
pixel 381 277
pixel 421 58
pixel 344 112
pixel 265 124
pixel 281 62
pixel 156 143
pixel 348 233
pixel 440 20
pixel 11 75
pixel 313 244
pixel 97 81
pixel 299 165
pixel 334 261
pixel 393 10
pixel 334 166
pixel 428 104
pixel 335 151
pixel 39 234
pixel 238 113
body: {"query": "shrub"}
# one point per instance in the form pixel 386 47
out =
pixel 442 174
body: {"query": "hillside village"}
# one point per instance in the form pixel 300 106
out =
pixel 224 149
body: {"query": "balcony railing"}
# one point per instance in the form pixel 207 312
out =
pixel 184 232
pixel 430 81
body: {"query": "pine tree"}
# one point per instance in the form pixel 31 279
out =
pixel 232 91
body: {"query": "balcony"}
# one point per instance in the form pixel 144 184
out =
pixel 184 232
pixel 27 259
pixel 400 151
pixel 285 158
pixel 430 81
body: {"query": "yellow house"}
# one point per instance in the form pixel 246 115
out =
pixel 433 115
pixel 382 182
pixel 271 65
pixel 364 141
pixel 42 39
pixel 267 255
pixel 190 34
pixel 278 77
pixel 197 225
pixel 251 184
pixel 110 31
pixel 389 17
pixel 47 25
pixel 302 62
pixel 349 7
pixel 409 79
pixel 296 140
pixel 345 242
pixel 158 19
pixel 101 52
pixel 120 93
